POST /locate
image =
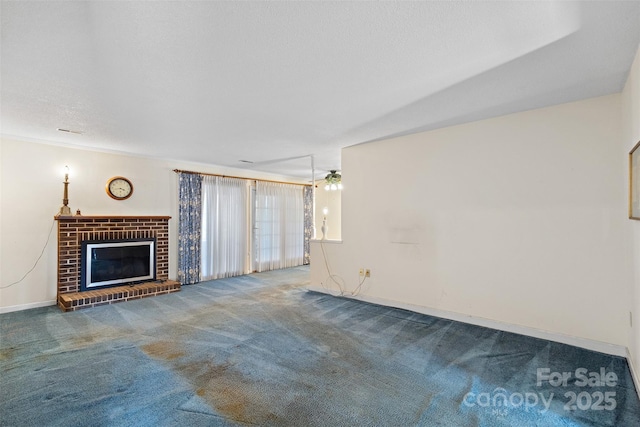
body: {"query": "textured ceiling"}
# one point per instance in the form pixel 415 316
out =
pixel 220 82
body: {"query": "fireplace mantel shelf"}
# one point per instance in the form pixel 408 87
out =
pixel 110 217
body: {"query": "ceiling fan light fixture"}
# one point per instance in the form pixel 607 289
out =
pixel 333 181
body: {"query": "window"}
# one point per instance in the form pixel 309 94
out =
pixel 225 230
pixel 279 226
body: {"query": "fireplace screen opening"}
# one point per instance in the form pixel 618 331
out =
pixel 115 262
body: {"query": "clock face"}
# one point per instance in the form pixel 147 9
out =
pixel 119 188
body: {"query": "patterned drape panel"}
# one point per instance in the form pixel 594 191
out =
pixel 189 223
pixel 308 223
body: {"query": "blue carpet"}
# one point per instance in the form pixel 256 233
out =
pixel 261 350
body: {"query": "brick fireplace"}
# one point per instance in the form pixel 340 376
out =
pixel 73 230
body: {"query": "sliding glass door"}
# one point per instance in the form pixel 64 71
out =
pixel 250 226
pixel 225 233
pixel 278 226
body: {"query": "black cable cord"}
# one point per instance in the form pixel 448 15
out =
pixel 36 263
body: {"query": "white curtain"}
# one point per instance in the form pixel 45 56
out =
pixel 224 234
pixel 279 223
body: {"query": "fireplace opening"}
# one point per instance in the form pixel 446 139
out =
pixel 106 263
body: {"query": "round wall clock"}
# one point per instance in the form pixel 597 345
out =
pixel 119 188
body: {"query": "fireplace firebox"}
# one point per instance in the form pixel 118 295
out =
pixel 106 263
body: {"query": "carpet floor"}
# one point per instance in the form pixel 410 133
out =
pixel 262 350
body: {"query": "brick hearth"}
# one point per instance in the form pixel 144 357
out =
pixel 72 231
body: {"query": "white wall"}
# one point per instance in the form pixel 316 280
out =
pixel 31 176
pixel 518 219
pixel 631 136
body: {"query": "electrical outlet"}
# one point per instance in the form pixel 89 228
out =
pixel 367 273
pixel 361 272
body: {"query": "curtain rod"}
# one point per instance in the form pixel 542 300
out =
pixel 238 177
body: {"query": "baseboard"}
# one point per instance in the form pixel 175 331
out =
pixel 602 347
pixel 634 373
pixel 26 306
